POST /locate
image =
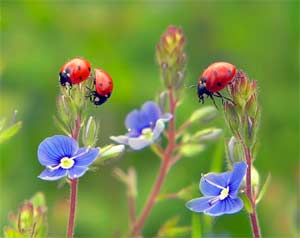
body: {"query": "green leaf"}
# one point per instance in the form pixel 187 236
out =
pixel 9 132
pixel 189 192
pixel 190 150
pixel 263 189
pixel 208 134
pixel 204 114
pixel 247 203
pixel 196 226
pixel 170 228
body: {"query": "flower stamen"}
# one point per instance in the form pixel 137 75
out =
pixel 66 163
pixel 212 183
pixel 224 193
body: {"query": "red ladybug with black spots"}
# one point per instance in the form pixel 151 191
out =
pixel 103 87
pixel 214 78
pixel 74 71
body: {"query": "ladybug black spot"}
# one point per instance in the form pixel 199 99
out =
pixel 80 77
pixel 219 84
pixel 229 72
pixel 101 84
pixel 215 73
pixel 90 69
pixel 78 67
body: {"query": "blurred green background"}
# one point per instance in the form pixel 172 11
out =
pixel 260 37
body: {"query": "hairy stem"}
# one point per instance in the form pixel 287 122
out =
pixel 165 165
pixel 73 196
pixel 73 188
pixel 253 215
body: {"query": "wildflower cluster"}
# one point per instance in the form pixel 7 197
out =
pixel 154 125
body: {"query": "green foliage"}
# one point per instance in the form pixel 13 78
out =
pixel 247 203
pixel 203 114
pixel 171 229
pixel 37 38
pixel 11 130
pixel 263 189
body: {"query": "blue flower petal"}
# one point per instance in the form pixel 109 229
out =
pixel 200 204
pixel 208 189
pixel 226 206
pixel 134 121
pixel 158 129
pixel 85 156
pixel 76 171
pixel 120 139
pixel 150 112
pixel 52 149
pixel 237 175
pixel 51 175
pixel 138 143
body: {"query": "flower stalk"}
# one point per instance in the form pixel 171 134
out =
pixel 243 121
pixel 73 199
pixel 73 188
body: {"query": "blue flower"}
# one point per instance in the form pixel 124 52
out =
pixel 220 192
pixel 144 126
pixel 62 157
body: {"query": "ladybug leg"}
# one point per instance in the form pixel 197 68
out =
pixel 219 95
pixel 212 98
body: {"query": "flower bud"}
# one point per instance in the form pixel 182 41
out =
pixel 232 117
pixel 90 132
pixel 171 57
pixel 241 90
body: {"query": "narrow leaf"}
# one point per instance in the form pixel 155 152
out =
pixel 191 150
pixel 204 114
pixel 264 188
pixel 247 203
pixel 9 132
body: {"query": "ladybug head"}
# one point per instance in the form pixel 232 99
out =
pixel 201 91
pixel 64 79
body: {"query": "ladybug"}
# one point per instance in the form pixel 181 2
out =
pixel 74 71
pixel 103 87
pixel 214 78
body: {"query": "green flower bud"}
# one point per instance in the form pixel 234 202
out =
pixel 171 57
pixel 232 117
pixel 90 132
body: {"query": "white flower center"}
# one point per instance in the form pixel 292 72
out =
pixel 147 133
pixel 66 163
pixel 224 193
